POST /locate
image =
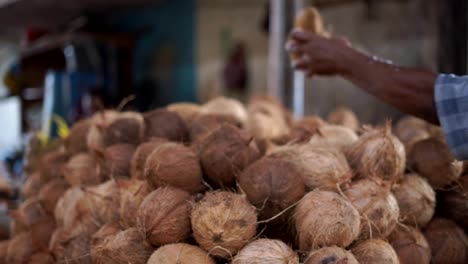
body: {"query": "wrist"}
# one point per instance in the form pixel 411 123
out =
pixel 348 60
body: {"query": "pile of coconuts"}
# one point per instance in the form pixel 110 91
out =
pixel 227 182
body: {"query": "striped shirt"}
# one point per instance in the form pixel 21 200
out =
pixel 451 98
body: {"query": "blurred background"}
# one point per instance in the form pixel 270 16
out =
pixel 62 60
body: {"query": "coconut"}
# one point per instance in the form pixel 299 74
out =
pixel 266 251
pixel 105 232
pixel 128 246
pixel 330 255
pixel 267 119
pixel 454 203
pixel 115 161
pixel 377 206
pixel 164 124
pixel 75 141
pixel 111 127
pixel 410 245
pixel 319 165
pixel 175 165
pixel 164 216
pixel 411 130
pixel 28 213
pixel 3 250
pixel 431 158
pixel 378 153
pixel 77 251
pixel 338 136
pixel 132 194
pixel 225 106
pixel 137 163
pixel 187 111
pixel 323 219
pixel 82 169
pixel 225 153
pixel 272 185
pixel 56 243
pixel 344 116
pixel 55 161
pixel 375 251
pixel 448 242
pixel 102 201
pixel 222 234
pixel 416 200
pixel 303 130
pixel 31 185
pixel 41 258
pixel 20 249
pixel 41 232
pixel 50 193
pixel 180 253
pixel 203 125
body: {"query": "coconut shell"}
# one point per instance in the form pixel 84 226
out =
pixel 128 246
pixel 164 124
pixel 180 253
pixel 132 194
pixel 50 193
pixel 416 199
pixel 272 185
pixel 330 255
pixel 337 136
pixel 31 185
pixel 104 233
pixel 377 206
pixel 375 251
pixel 28 213
pixel 175 165
pixel 75 141
pixel 203 125
pixel 432 159
pixel 410 130
pixel 344 116
pixel 378 153
pixel 20 249
pixel 305 129
pixel 164 216
pixel 41 232
pixel 319 165
pixel 41 258
pixel 187 111
pixel 77 251
pixel 3 250
pixel 325 219
pixel 225 106
pixel 137 163
pixel 56 244
pixel 410 245
pixel 266 121
pixel 225 153
pixel 115 161
pixel 102 201
pixel 448 242
pixel 266 251
pixel 222 234
pixel 83 169
pixel 454 203
pixel 55 161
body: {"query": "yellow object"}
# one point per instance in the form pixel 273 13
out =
pixel 62 129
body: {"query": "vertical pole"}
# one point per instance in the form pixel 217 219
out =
pixel 276 59
pixel 299 78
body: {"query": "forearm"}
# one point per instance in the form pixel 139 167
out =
pixel 409 90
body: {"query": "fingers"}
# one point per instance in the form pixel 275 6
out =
pixel 300 35
pixel 294 47
pixel 302 64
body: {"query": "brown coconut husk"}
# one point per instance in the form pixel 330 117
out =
pixel 165 124
pixel 76 139
pixel 377 206
pixel 203 125
pixel 31 185
pixel 83 169
pixel 137 163
pixel 266 251
pixel 132 193
pixel 323 219
pixel 416 200
pixel 50 193
pixel 410 245
pixel 56 243
pixel 175 165
pixel 164 216
pixel 55 160
pixel 102 201
pixel 330 255
pixel 28 213
pixel 266 120
pixel 320 165
pixel 41 258
pixel 128 246
pixel 453 203
pixel 187 111
pixel 104 233
pixel 225 153
pixel 305 129
pixel 222 234
pixel 375 251
pixel 448 242
pixel 378 153
pixel 344 116
pixel 432 159
pixel 337 136
pixel 410 130
pixel 4 250
pixel 41 232
pixel 180 253
pixel 272 185
pixel 77 251
pixel 225 106
pixel 115 161
pixel 20 248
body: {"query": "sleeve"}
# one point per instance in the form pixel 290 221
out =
pixel 451 99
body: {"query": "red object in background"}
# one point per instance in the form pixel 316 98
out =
pixel 32 34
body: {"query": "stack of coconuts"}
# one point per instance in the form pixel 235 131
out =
pixel 225 182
